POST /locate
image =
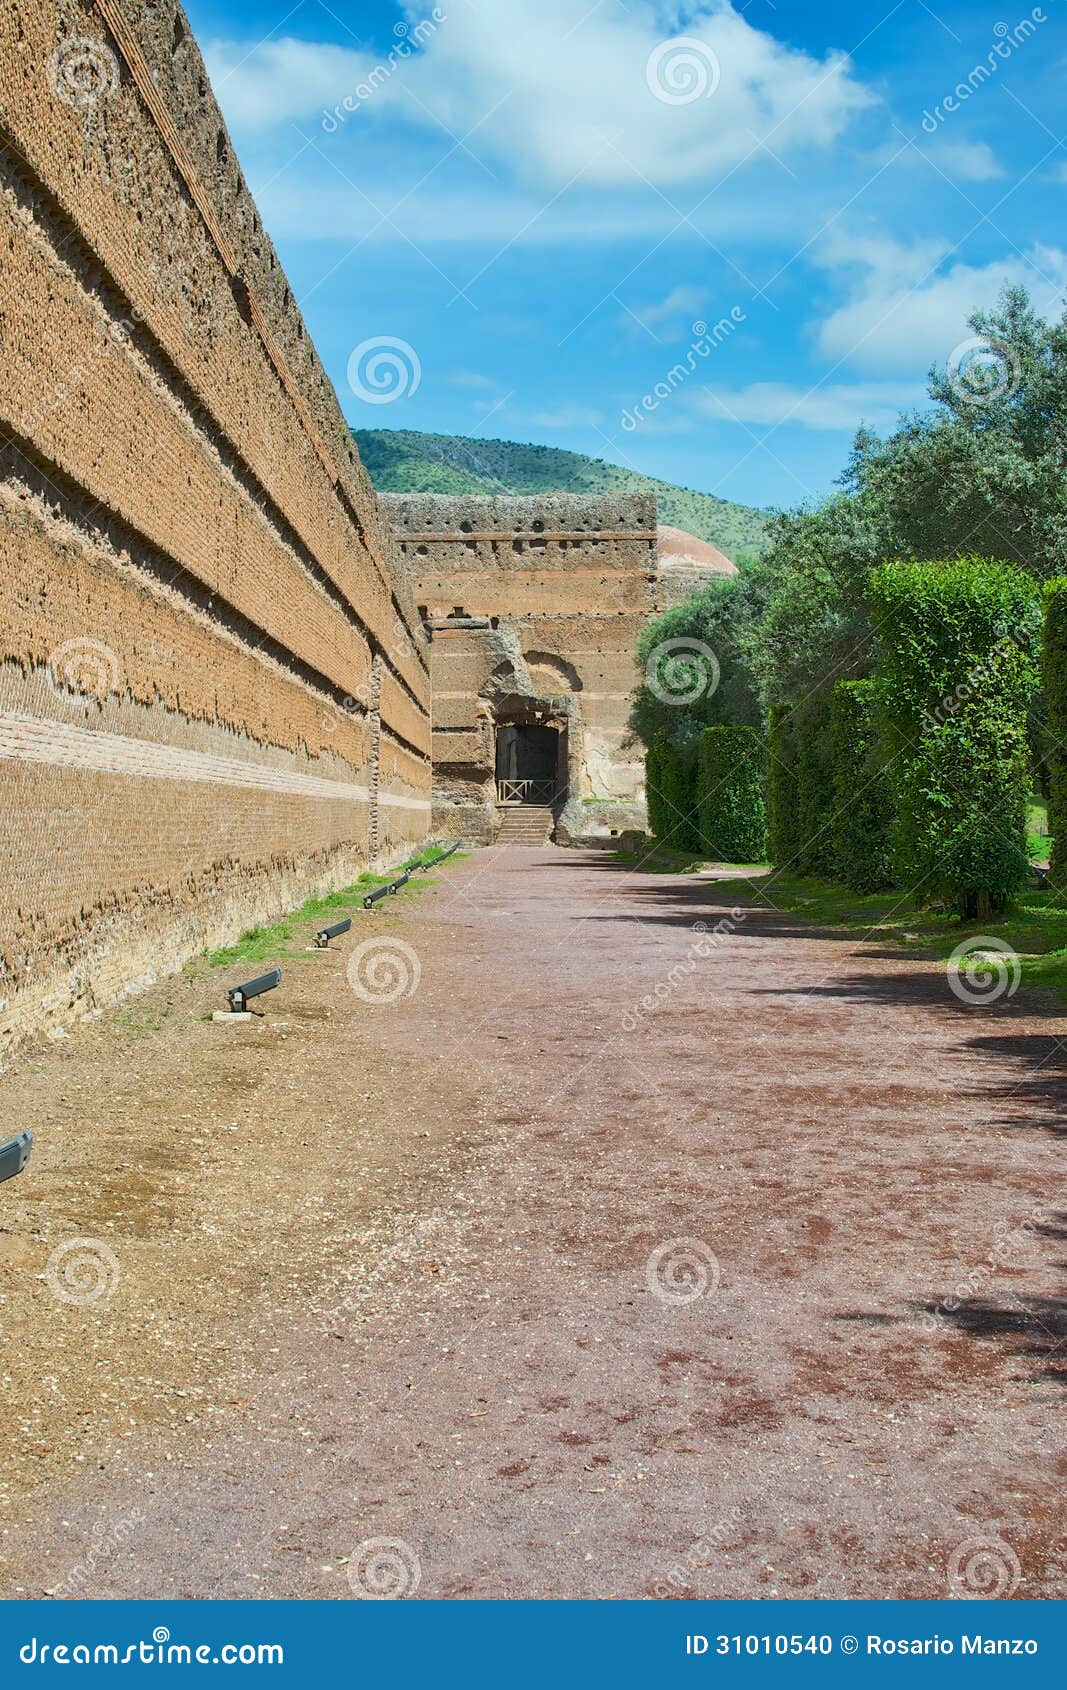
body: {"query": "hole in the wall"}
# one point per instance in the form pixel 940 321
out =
pixel 466 528
pixel 220 147
pixel 178 35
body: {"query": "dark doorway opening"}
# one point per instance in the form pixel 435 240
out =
pixel 528 763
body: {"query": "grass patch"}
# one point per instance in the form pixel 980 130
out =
pixel 1035 927
pixel 290 936
pixel 655 858
pixel 1038 842
pixel 139 1026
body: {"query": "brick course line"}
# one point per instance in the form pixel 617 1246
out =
pixel 34 739
pixel 143 80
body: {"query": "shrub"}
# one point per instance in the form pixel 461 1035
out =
pixel 783 832
pixel 670 776
pixel 957 671
pixel 731 773
pixel 1054 675
pixel 863 803
pixel 815 800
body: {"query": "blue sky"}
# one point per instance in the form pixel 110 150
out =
pixel 530 212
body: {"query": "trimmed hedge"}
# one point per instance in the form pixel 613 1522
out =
pixel 730 782
pixel 783 830
pixel 816 800
pixel 671 789
pixel 957 671
pixel 863 819
pixel 1054 676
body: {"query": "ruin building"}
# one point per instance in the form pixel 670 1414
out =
pixel 214 688
pixel 533 607
pixel 230 674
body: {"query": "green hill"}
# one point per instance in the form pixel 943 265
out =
pixel 402 461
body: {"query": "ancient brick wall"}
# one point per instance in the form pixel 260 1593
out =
pixel 214 690
pixel 534 607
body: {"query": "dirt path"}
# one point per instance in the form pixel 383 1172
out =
pixel 418 1272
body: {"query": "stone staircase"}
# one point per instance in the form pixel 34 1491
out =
pixel 524 824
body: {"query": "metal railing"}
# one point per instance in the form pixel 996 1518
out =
pixel 526 791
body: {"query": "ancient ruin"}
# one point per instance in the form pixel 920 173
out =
pixel 214 689
pixel 222 652
pixel 533 607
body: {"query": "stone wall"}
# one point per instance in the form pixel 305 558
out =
pixel 534 607
pixel 214 689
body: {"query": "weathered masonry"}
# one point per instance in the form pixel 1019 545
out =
pixel 533 608
pixel 214 689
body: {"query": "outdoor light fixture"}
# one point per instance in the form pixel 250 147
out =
pixel 373 897
pixel 325 934
pixel 239 995
pixel 404 878
pixel 14 1155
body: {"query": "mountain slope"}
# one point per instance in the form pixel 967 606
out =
pixel 403 461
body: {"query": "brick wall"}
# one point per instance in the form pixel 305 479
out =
pixel 214 690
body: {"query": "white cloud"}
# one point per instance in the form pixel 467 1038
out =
pixel 473 379
pixel 832 406
pixel 960 161
pixel 681 304
pixel 909 305
pixel 566 89
pixel 277 81
pixel 568 416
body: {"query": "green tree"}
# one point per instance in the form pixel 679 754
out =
pixel 695 673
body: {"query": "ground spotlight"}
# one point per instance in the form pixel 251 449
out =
pixel 15 1154
pixel 240 996
pixel 325 934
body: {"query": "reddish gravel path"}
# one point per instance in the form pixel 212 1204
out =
pixel 507 1394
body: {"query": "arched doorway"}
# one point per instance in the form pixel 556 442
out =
pixel 531 759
